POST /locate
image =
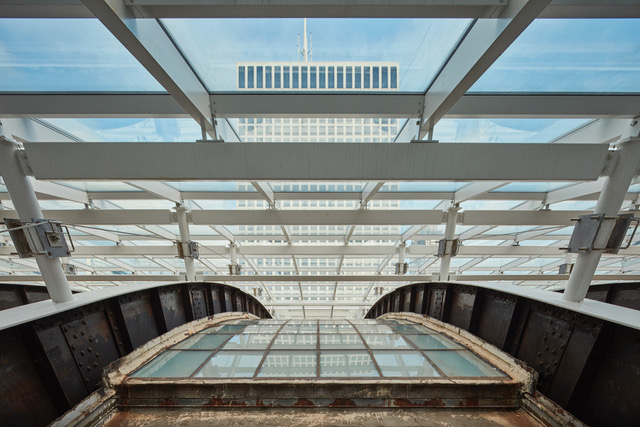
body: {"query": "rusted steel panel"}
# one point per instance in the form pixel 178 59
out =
pixel 406 296
pixel 24 398
pixel 92 345
pixel 10 298
pixel 436 302
pixel 35 296
pixel 65 368
pixel 461 306
pixel 418 305
pixel 395 304
pixel 198 297
pixel 543 342
pixel 139 318
pixel 494 318
pixel 573 362
pixel 613 397
pixel 217 300
pixel 625 295
pixel 228 300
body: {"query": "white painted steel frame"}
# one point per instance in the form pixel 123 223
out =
pixel 384 105
pixel 321 9
pixel 317 161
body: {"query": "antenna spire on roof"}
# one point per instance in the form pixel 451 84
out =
pixel 305 52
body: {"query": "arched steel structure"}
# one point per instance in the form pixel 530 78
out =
pixel 50 364
pixel 585 364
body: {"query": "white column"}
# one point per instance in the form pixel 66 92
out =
pixel 233 253
pixel 609 203
pixel 26 205
pixel 185 236
pixel 449 234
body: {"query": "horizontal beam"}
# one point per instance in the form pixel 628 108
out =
pixel 317 161
pixel 323 251
pixel 319 9
pixel 323 278
pixel 309 217
pixel 321 195
pixel 384 105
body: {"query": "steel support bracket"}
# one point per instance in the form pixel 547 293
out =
pixel 188 249
pixel 448 247
pixel 40 237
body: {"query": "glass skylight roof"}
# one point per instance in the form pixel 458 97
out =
pixel 562 55
pixel 70 55
pixel 317 350
pixel 215 46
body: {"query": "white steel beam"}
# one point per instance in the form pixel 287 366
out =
pixel 60 191
pixel 317 161
pixel 609 203
pixel 369 191
pixel 343 279
pixel 224 232
pixel 476 189
pixel 385 105
pixel 486 40
pixel 319 9
pixel 157 217
pixel 150 44
pixel 158 189
pixel 24 199
pixel 601 131
pixel 324 251
pixel 574 191
pixel 265 191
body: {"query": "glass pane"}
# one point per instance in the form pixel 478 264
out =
pixel 258 329
pixel 391 341
pixel 347 341
pixel 224 329
pixel 203 342
pixel 404 364
pixel 346 364
pixel 568 55
pixel 374 329
pixel 227 364
pixel 289 364
pixel 249 342
pixel 337 329
pixel 432 342
pixel 298 329
pixel 504 130
pixel 173 364
pixel 295 341
pixel 131 130
pixel 413 329
pixel 462 364
pixel 67 55
pixel 417 47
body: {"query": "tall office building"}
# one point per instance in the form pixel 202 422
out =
pixel 309 76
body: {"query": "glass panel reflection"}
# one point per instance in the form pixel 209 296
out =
pixel 413 329
pixel 249 342
pixel 302 341
pixel 374 329
pixel 203 342
pixel 289 364
pixel 299 329
pixel 224 329
pixel 390 341
pixel 231 364
pixel 173 364
pixel 346 364
pixel 404 364
pixel 462 364
pixel 432 342
pixel 346 341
